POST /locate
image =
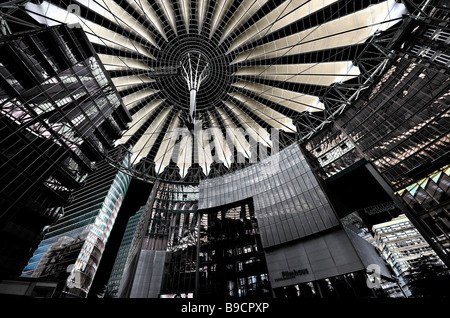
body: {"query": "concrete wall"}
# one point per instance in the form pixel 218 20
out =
pixel 148 277
pixel 330 254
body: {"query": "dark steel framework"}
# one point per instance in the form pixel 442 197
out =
pixel 59 113
pixel 394 115
pixel 208 253
pixel 400 125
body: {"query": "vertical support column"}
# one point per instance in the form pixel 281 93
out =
pixel 197 263
pixel 195 69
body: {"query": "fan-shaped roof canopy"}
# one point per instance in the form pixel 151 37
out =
pixel 215 85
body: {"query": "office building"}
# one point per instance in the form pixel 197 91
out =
pixel 25 287
pixel 122 254
pixel 264 127
pixel 59 114
pixel 72 248
pixel 428 199
pixel 401 245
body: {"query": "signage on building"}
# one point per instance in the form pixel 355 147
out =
pixel 292 274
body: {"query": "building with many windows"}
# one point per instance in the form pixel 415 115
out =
pixel 122 253
pixel 59 114
pixel 72 248
pixel 401 245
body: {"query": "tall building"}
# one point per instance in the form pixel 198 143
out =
pixel 398 133
pixel 122 253
pixel 275 136
pixel 401 245
pixel 251 239
pixel 59 113
pixel 73 246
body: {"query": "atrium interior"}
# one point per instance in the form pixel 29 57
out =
pixel 224 149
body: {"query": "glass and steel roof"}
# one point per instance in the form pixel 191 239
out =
pixel 216 85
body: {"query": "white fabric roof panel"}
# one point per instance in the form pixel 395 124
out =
pixel 263 68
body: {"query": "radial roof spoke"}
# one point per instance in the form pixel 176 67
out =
pixel 204 151
pixel 50 14
pixel 145 10
pixel 290 99
pixel 269 115
pixel 222 149
pixel 184 160
pixel 113 12
pixel 126 82
pixel 168 12
pixel 316 73
pixel 148 138
pixel 232 72
pixel 117 63
pixel 234 133
pixel 185 6
pixel 202 9
pixel 133 99
pixel 258 133
pixel 288 12
pixel 165 150
pixel 220 10
pixel 139 119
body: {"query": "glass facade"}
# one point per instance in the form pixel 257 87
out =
pixel 122 254
pixel 289 202
pixel 203 253
pixel 231 259
pixel 172 215
pixel 72 249
pixel 173 228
